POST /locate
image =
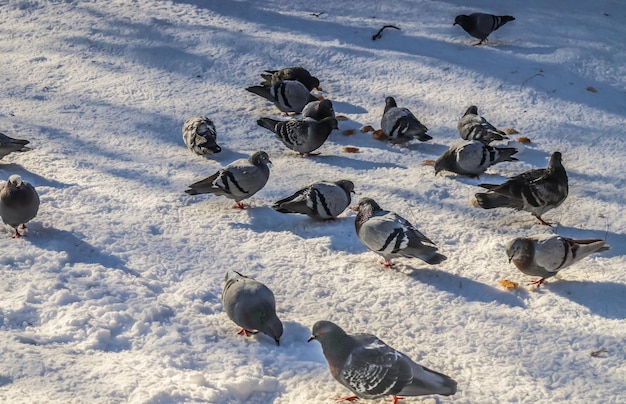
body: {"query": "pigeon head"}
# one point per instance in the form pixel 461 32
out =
pixel 461 20
pixel 313 83
pixel 346 185
pixel 472 110
pixel 260 158
pixel 390 102
pixel 555 160
pixel 272 326
pixel 366 204
pixel 519 251
pixel 326 331
pixel 443 163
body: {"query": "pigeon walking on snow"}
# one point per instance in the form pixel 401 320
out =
pixel 251 305
pixel 239 180
pixel 318 110
pixel 9 145
pixel 480 25
pixel 472 158
pixel 545 255
pixel 322 200
pixel 19 203
pixel 372 369
pixel 472 126
pixel 297 73
pixel 535 191
pixel 390 235
pixel 301 135
pixel 200 136
pixel 400 125
pixel 288 96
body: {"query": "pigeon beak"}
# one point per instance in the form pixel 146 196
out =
pixel 277 341
pixel 311 338
pixel 510 259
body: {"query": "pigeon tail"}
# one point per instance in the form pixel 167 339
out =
pixel 492 200
pixel 505 154
pixel 268 123
pixel 505 18
pixel 262 91
pixel 427 381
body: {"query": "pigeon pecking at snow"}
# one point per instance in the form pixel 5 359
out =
pixel 19 203
pixel 472 158
pixel 480 25
pixel 251 305
pixel 200 136
pixel 535 191
pixel 472 126
pixel 545 255
pixel 297 73
pixel 400 125
pixel 9 145
pixel 302 135
pixel 390 235
pixel 288 96
pixel 239 180
pixel 318 110
pixel 321 200
pixel 372 369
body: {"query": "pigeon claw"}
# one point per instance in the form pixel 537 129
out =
pixel 396 399
pixel 246 333
pixel 351 398
pixel 387 264
pixel 239 205
pixel 17 234
pixel 538 282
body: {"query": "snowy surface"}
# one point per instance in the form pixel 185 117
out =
pixel 114 294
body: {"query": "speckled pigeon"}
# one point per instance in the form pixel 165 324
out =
pixel 400 125
pixel 321 200
pixel 480 25
pixel 251 305
pixel 200 136
pixel 288 96
pixel 472 158
pixel 297 73
pixel 301 135
pixel 318 110
pixel 9 145
pixel 372 369
pixel 19 203
pixel 472 126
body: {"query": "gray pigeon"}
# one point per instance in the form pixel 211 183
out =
pixel 301 135
pixel 390 235
pixel 535 191
pixel 288 96
pixel 318 110
pixel 400 125
pixel 545 255
pixel 239 180
pixel 472 126
pixel 19 203
pixel 251 305
pixel 480 25
pixel 9 145
pixel 322 200
pixel 472 158
pixel 372 369
pixel 200 136
pixel 290 73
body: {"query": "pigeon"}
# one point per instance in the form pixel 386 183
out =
pixel 472 158
pixel 288 96
pixel 239 180
pixel 322 200
pixel 251 305
pixel 535 191
pixel 200 136
pixel 291 73
pixel 318 110
pixel 372 369
pixel 400 125
pixel 9 145
pixel 545 255
pixel 480 25
pixel 302 135
pixel 390 235
pixel 19 203
pixel 472 126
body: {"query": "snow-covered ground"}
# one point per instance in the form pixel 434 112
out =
pixel 114 294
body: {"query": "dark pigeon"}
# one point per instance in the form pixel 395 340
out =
pixel 480 25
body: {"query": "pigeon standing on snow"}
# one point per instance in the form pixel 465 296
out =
pixel 472 158
pixel 480 25
pixel 372 369
pixel 200 136
pixel 390 235
pixel 400 125
pixel 322 200
pixel 251 305
pixel 318 110
pixel 19 203
pixel 472 126
pixel 535 191
pixel 545 255
pixel 290 73
pixel 239 180
pixel 9 145
pixel 288 96
pixel 301 135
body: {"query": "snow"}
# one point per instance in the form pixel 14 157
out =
pixel 114 293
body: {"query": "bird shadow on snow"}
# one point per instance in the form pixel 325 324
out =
pixel 342 107
pixel 35 179
pixel 605 299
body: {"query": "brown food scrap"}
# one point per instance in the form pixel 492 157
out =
pixel 523 139
pixel 380 135
pixel 510 131
pixel 592 89
pixel 474 202
pixel 367 128
pixel 508 285
pixel 350 149
pixel 428 162
pixel 342 118
pixel 320 97
pixel 348 132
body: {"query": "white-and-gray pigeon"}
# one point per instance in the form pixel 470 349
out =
pixel 400 125
pixel 472 158
pixel 302 135
pixel 390 235
pixel 472 126
pixel 9 145
pixel 321 200
pixel 296 73
pixel 19 203
pixel 535 191
pixel 251 305
pixel 288 96
pixel 200 136
pixel 546 254
pixel 480 25
pixel 318 110
pixel 239 180
pixel 372 369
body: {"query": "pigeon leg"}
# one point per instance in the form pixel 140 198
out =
pixel 351 398
pixel 246 333
pixel 17 234
pixel 396 399
pixel 239 205
pixel 538 282
pixel 23 226
pixel 387 264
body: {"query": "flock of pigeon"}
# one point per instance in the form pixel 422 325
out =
pixel 361 362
